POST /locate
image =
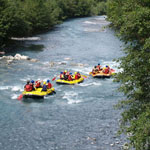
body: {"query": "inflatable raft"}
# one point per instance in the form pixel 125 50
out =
pixel 59 81
pixel 38 93
pixel 101 75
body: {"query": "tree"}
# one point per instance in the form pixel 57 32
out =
pixel 132 19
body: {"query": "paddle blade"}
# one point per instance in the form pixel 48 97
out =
pixel 20 97
pixel 83 76
pixel 53 78
pixel 112 70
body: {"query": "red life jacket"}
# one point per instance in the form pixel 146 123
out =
pixel 99 68
pixel 38 85
pixel 28 88
pixel 79 75
pixel 106 71
pixel 61 76
pixel 49 85
pixel 76 76
pixel 69 78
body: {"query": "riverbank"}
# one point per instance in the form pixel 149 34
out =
pixel 27 18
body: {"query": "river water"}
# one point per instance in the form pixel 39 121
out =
pixel 77 117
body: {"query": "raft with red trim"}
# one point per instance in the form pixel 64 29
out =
pixel 59 81
pixel 100 74
pixel 38 93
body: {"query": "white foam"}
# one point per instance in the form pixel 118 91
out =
pixel 72 97
pixel 84 70
pixel 74 101
pixel 90 84
pixel 12 88
pixel 16 88
pixel 26 39
pixel 5 87
pixel 91 30
pixel 14 96
pixel 89 22
pixel 67 58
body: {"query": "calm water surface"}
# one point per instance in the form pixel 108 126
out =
pixel 79 117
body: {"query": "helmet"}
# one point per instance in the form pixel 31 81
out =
pixel 48 81
pixel 65 70
pixel 28 81
pixel 44 82
pixel 70 73
pixel 106 66
pixel 95 66
pixel 75 73
pixel 61 72
pixel 32 81
pixel 98 64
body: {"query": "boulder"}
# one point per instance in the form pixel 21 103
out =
pixel 17 57
pixel 9 61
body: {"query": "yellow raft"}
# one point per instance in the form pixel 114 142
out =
pixel 59 81
pixel 101 75
pixel 38 93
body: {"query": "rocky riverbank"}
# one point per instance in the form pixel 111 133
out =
pixel 10 59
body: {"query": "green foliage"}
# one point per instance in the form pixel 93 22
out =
pixel 132 19
pixel 26 17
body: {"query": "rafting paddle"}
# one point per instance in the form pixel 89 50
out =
pixel 112 70
pixel 83 76
pixel 20 97
pixel 53 78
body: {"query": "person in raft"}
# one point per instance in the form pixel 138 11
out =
pixel 95 70
pixel 79 75
pixel 44 88
pixel 38 84
pixel 65 75
pixel 107 66
pixel 106 70
pixel 32 85
pixel 99 67
pixel 70 78
pixel 49 85
pixel 76 76
pixel 27 87
pixel 61 75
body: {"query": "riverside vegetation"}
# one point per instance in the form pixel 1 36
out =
pixel 130 18
pixel 20 18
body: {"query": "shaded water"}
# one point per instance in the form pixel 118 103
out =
pixel 79 117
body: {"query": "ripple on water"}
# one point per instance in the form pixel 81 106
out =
pixel 12 88
pixel 91 84
pixel 71 97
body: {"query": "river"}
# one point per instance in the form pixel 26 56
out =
pixel 77 117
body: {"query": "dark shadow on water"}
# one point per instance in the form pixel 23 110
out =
pixel 36 48
pixel 31 100
pixel 23 46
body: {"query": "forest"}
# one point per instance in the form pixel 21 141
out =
pixel 130 19
pixel 19 18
